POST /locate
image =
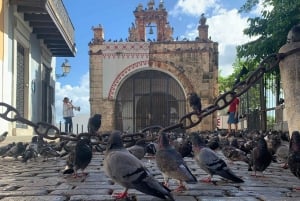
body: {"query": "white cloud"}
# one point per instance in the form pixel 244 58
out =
pixel 193 7
pixel 260 7
pixel 78 94
pixel 225 27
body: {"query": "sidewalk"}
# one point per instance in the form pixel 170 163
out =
pixel 38 181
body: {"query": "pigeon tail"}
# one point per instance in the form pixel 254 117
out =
pixel 230 176
pixel 159 191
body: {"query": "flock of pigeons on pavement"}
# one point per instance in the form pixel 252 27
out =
pixel 124 165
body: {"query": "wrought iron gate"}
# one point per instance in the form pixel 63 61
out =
pixel 149 97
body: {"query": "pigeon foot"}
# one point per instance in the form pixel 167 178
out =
pixel 180 188
pixel 285 166
pixel 206 180
pixel 120 195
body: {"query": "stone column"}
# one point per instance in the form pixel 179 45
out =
pixel 290 77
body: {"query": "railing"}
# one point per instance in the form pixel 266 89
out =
pixel 79 128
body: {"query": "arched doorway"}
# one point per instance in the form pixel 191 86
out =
pixel 149 97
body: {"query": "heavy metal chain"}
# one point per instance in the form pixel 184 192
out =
pixel 267 65
pixel 189 120
pixel 51 132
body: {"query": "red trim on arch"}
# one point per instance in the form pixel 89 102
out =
pixel 123 74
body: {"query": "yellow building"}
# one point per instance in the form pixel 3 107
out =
pixel 32 34
pixel 139 82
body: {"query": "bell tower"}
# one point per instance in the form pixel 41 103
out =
pixel 150 18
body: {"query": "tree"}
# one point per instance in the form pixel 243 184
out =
pixel 270 29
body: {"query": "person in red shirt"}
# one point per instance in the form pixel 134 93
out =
pixel 233 117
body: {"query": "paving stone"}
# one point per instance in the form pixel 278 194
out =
pixel 38 180
pixel 35 198
pixel 227 199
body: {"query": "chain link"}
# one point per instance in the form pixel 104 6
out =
pixel 267 65
pixel 189 120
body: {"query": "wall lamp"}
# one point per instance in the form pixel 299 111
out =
pixel 65 68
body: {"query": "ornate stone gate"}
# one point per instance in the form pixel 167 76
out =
pixel 137 82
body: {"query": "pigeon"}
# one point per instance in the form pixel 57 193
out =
pixel 128 171
pixel 273 141
pixel 234 154
pixel 4 149
pixel 171 164
pixel 47 151
pixel 195 102
pixel 260 157
pixel 151 148
pixel 94 123
pixel 282 154
pixel 294 155
pixel 79 158
pixel 3 136
pixel 83 155
pixel 30 152
pixel 213 144
pixel 15 151
pixel 184 147
pixel 210 162
pixel 69 169
pixel 139 149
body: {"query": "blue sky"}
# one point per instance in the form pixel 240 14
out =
pixel 225 27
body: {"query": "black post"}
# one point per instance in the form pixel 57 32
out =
pixel 263 109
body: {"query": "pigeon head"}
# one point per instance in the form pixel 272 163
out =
pixel 196 140
pixel 115 141
pixel 84 140
pixel 150 148
pixel 262 143
pixel 295 141
pixel 163 140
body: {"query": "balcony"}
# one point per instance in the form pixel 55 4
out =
pixel 51 23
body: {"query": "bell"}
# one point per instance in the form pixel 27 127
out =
pixel 151 30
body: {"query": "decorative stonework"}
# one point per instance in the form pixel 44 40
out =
pixel 129 69
pixel 192 64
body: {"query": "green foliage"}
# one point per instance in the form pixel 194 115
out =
pixel 227 83
pixel 270 30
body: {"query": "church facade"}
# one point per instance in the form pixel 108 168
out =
pixel 141 82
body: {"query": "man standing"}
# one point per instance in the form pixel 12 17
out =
pixel 68 115
pixel 233 117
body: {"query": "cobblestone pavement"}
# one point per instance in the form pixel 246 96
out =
pixel 44 181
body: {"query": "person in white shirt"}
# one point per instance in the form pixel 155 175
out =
pixel 68 114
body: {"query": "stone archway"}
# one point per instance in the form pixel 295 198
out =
pixel 149 97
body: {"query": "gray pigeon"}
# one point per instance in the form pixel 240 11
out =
pixel 3 136
pixel 128 171
pixel 47 151
pixel 171 164
pixel 210 162
pixel 260 157
pixel 234 153
pixel 30 152
pixel 15 151
pixel 5 148
pixel 282 154
pixel 139 149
